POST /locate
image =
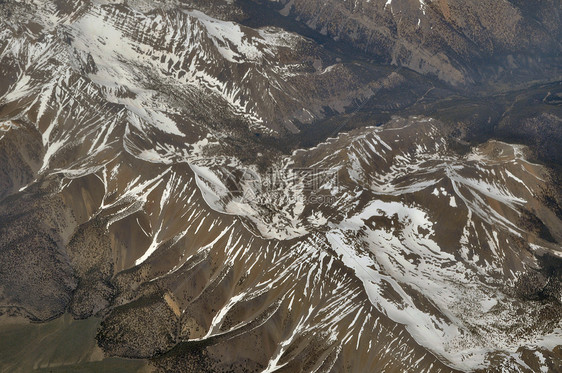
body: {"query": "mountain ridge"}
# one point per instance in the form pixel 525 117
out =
pixel 154 177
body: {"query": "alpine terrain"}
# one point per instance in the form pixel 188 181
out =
pixel 280 186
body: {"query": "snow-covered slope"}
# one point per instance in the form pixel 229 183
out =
pixel 139 185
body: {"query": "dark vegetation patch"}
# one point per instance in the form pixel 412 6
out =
pixel 139 329
pixel 532 223
pixel 543 284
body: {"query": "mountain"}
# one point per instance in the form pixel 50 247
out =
pixel 283 186
pixel 461 42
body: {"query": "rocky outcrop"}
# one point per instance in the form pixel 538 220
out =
pixel 455 40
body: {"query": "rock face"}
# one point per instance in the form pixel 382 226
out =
pixel 455 40
pixel 183 176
